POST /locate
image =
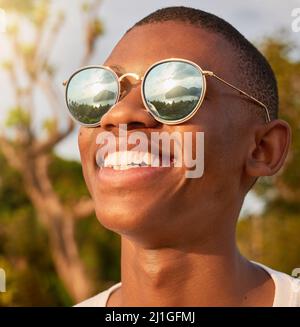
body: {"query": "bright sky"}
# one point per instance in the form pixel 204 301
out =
pixel 163 77
pixel 254 19
pixel 95 80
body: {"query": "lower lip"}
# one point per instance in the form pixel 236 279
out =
pixel 131 176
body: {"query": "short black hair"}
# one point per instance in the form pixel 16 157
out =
pixel 256 74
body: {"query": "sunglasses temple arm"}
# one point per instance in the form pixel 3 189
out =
pixel 208 73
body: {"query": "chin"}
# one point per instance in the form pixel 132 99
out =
pixel 136 209
pixel 125 218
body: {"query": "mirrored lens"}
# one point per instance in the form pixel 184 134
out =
pixel 173 89
pixel 91 93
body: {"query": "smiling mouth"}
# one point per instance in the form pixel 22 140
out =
pixel 124 160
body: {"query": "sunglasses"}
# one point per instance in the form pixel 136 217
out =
pixel 172 91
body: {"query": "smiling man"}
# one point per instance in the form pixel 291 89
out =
pixel 178 233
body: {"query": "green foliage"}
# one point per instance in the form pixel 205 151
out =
pixel 18 117
pixel 12 29
pixel 23 6
pixel 97 27
pixel 6 64
pixel 36 10
pixel 50 125
pixel 40 12
pixel 274 242
pixel 27 50
pixel 24 250
pixel 85 6
pixel 69 186
pixel 174 110
pixel 88 114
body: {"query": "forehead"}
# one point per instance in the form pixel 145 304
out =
pixel 144 45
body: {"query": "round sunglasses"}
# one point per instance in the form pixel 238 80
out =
pixel 172 91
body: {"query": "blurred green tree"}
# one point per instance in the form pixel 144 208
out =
pixel 32 279
pixel 28 152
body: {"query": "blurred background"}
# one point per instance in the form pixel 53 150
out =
pixel 52 247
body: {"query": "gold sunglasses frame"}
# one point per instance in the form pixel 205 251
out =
pixel 204 73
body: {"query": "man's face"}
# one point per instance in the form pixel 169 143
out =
pixel 160 206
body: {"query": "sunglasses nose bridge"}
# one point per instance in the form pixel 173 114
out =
pixel 135 76
pixel 125 112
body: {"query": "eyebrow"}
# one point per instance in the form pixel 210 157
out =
pixel 118 69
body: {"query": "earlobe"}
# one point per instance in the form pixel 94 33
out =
pixel 269 149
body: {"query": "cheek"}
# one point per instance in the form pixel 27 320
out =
pixel 85 139
pixel 222 153
pixel 223 166
pixel 82 141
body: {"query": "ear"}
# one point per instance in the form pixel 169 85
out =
pixel 269 149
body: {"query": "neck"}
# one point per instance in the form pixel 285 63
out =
pixel 211 274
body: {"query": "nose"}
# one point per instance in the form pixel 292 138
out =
pixel 129 110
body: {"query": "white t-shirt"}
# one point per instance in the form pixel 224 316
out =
pixel 287 291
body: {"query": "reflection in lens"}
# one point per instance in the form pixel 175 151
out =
pixel 173 89
pixel 91 93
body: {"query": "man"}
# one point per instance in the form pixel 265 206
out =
pixel 178 233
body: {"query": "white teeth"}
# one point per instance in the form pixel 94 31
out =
pixel 123 157
pixel 149 158
pixel 126 160
pixel 140 157
pixel 146 158
pixel 129 159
